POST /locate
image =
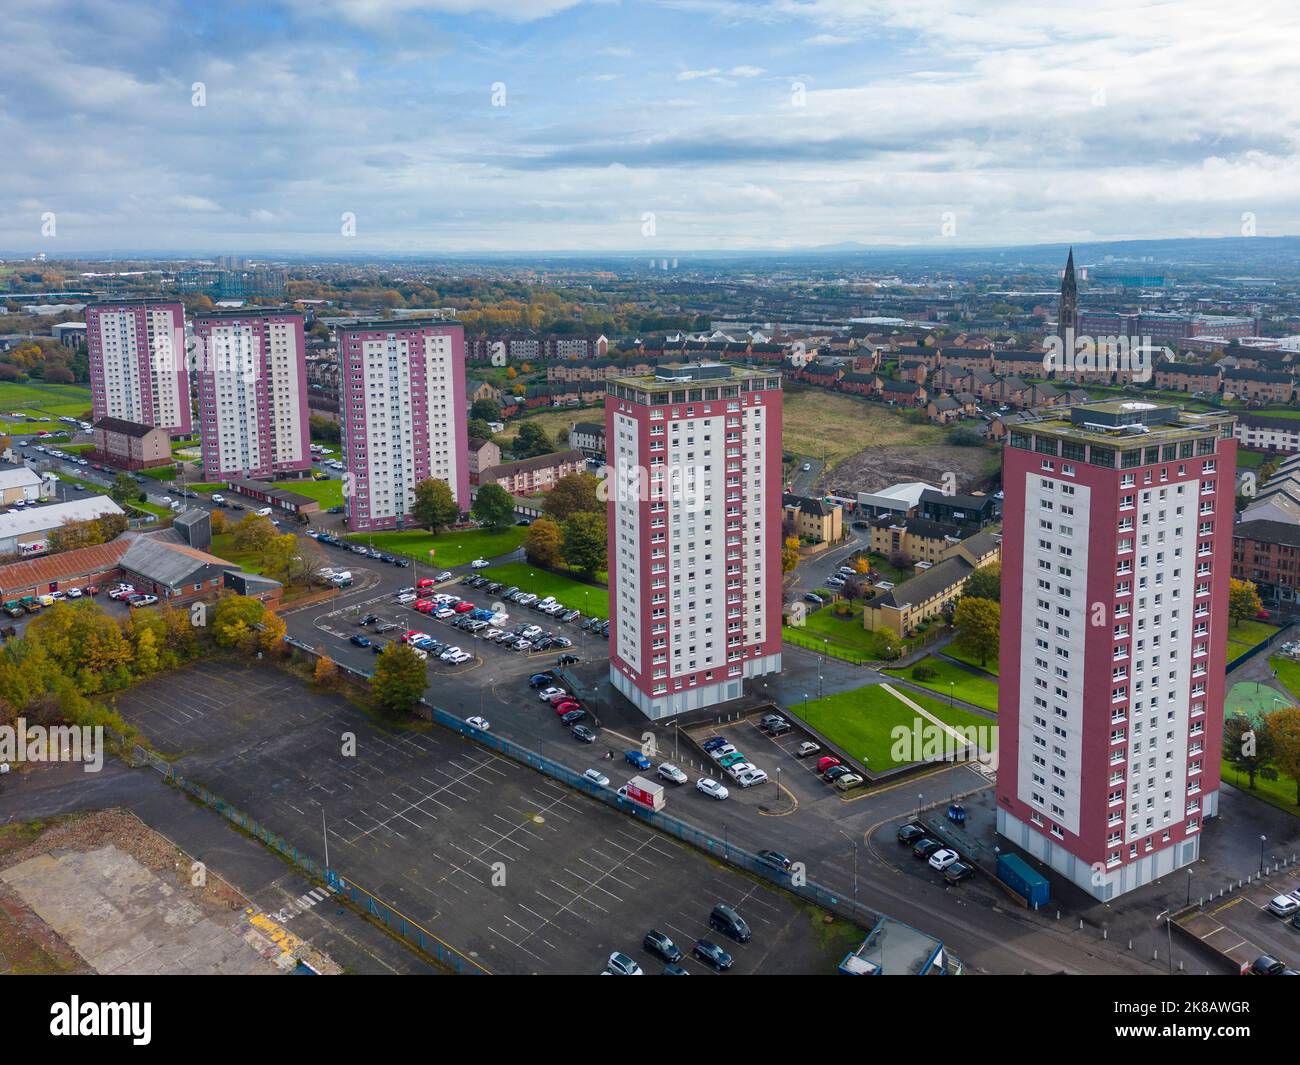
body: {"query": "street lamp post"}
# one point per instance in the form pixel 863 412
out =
pixel 920 797
pixel 1189 885
pixel 1262 840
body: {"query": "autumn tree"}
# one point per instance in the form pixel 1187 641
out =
pixel 1284 731
pixel 789 554
pixel 218 522
pixel 326 671
pixel 978 623
pixel 1243 601
pixel 253 533
pixel 435 507
pixel 545 543
pixel 399 679
pixel 578 493
pixel 234 621
pixel 273 633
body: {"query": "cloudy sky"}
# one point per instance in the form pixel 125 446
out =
pixel 646 125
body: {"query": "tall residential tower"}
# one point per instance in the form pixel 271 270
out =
pixel 137 363
pixel 1116 554
pixel 694 533
pixel 252 376
pixel 402 403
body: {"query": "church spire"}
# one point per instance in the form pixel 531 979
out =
pixel 1067 317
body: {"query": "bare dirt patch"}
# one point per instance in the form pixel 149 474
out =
pixel 878 467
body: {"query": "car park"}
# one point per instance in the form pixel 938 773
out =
pixel 711 788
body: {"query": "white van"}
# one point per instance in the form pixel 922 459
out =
pixel 218 498
pixel 265 512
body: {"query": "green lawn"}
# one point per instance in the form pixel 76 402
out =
pixel 330 493
pixel 223 546
pixel 848 632
pixel 1244 635
pixel 159 473
pixel 974 688
pixel 1288 672
pixel 450 548
pixel 860 722
pixel 35 397
pixel 588 598
pixel 1250 460
pixel 953 651
pixel 1279 793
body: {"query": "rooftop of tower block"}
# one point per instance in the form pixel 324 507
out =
pixel 692 382
pixel 1123 425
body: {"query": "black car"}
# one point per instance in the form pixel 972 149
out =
pixel 573 717
pixel 910 833
pixel 957 872
pixel 542 680
pixel 775 859
pixel 377 646
pixel 835 772
pixel 675 970
pixel 1265 965
pixel 727 921
pixel 403 563
pixel 338 509
pixel 926 847
pixel 566 660
pixel 711 954
pixel 360 641
pixel 524 522
pixel 493 588
pixel 661 946
pixel 369 619
pixel 583 734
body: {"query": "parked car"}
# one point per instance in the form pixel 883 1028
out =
pixel 806 748
pixel 748 778
pixel 584 734
pixel 943 858
pixel 480 563
pixel 1266 965
pixel 143 600
pixel 847 780
pixel 622 965
pixel 835 772
pixel 662 947
pixel 711 954
pixel 713 743
pixel 827 762
pixel 1285 905
pixel 726 920
pixel 910 833
pixel 926 847
pixel 957 872
pixel 711 788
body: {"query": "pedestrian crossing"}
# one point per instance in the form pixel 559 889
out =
pixel 303 903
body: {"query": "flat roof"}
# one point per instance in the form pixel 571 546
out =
pixel 53 515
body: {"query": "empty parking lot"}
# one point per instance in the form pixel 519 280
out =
pixel 514 870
